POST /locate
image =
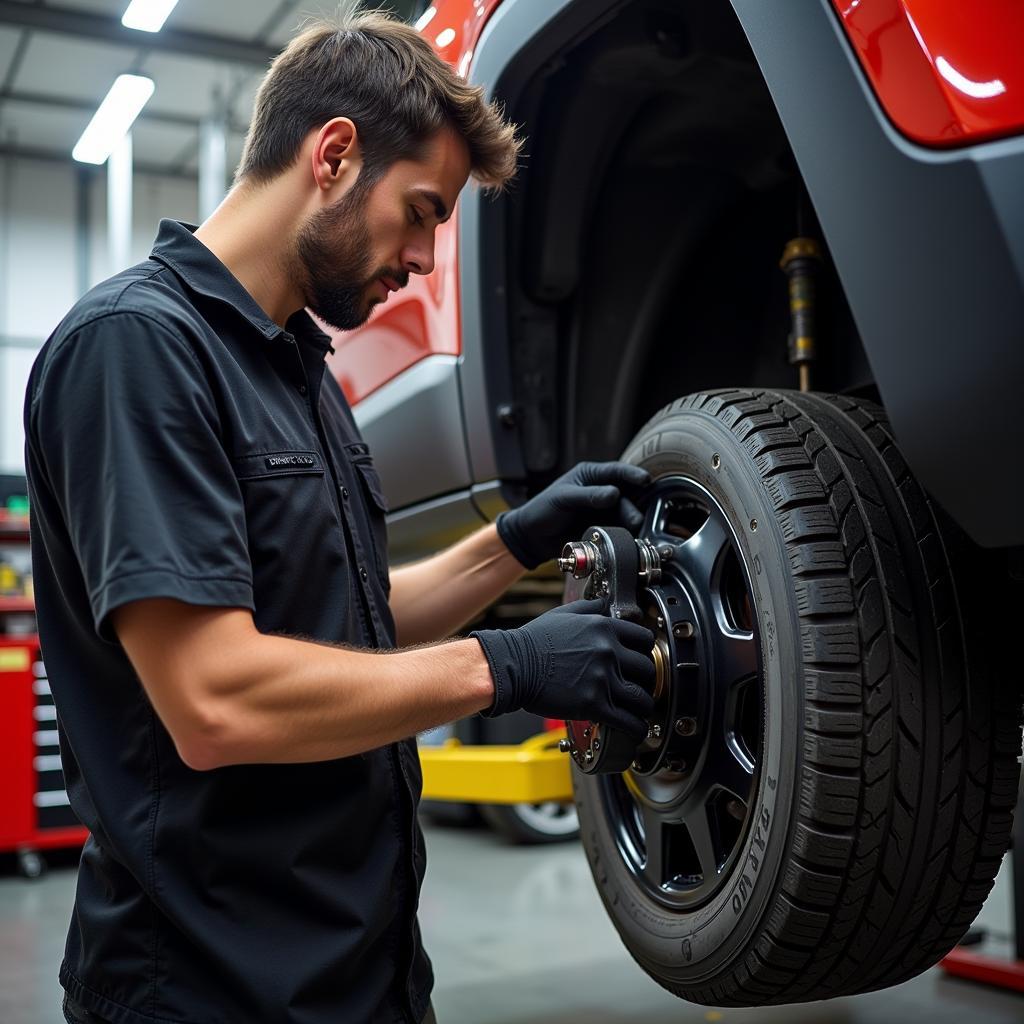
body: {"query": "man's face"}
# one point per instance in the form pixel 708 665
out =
pixel 364 246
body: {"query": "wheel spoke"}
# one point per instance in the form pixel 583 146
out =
pixel 654 841
pixel 703 843
pixel 698 554
pixel 735 656
pixel 734 774
pixel 652 516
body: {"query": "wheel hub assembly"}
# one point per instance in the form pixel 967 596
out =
pixel 690 781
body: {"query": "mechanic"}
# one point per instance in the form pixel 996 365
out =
pixel 213 596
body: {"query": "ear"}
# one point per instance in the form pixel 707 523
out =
pixel 337 156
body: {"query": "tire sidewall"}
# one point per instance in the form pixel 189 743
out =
pixel 693 945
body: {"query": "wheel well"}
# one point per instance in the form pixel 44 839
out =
pixel 644 234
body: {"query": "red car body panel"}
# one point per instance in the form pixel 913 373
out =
pixel 454 27
pixel 947 74
pixel 423 319
pixel 419 321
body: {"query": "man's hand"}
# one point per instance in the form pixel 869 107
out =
pixel 591 494
pixel 572 662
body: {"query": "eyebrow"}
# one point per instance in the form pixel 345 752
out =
pixel 436 201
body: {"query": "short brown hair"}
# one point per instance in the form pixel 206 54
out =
pixel 382 74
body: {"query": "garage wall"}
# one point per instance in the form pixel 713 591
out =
pixel 39 229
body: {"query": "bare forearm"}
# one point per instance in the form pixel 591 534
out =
pixel 432 599
pixel 307 702
pixel 232 695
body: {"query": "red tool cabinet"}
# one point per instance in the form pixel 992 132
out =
pixel 34 810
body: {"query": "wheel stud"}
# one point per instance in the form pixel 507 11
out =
pixel 564 745
pixel 654 732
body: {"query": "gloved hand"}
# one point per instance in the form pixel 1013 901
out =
pixel 572 662
pixel 591 494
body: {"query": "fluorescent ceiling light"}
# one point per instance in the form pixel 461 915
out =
pixel 116 114
pixel 147 15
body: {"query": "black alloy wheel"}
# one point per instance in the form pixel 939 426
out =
pixel 831 791
pixel 681 815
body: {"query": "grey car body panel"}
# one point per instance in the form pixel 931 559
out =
pixel 480 424
pixel 452 393
pixel 425 528
pixel 489 499
pixel 929 246
pixel 429 526
pixel 413 425
pixel 518 38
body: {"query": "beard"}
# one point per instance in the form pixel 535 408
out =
pixel 333 249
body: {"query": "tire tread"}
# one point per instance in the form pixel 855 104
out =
pixel 904 804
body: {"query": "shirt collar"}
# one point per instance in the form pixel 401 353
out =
pixel 304 328
pixel 177 248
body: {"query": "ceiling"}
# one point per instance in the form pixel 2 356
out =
pixel 57 61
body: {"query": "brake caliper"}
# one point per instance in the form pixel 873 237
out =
pixel 612 565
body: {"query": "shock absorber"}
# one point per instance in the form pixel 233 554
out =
pixel 800 261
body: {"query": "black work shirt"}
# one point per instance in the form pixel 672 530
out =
pixel 182 445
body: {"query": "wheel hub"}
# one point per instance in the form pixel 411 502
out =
pixel 680 800
pixel 626 572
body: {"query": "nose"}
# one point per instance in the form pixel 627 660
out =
pixel 419 259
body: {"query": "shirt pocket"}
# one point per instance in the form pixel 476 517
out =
pixel 376 505
pixel 293 532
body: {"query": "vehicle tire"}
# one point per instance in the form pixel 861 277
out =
pixel 30 864
pixel 549 822
pixel 877 727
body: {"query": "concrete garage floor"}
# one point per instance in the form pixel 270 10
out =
pixel 518 936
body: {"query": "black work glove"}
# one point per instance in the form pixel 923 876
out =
pixel 573 662
pixel 591 494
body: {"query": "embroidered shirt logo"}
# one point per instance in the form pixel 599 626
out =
pixel 284 461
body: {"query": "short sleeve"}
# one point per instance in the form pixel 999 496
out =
pixel 124 424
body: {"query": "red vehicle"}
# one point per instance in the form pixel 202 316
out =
pixel 825 798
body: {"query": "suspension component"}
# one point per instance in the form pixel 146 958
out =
pixel 800 261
